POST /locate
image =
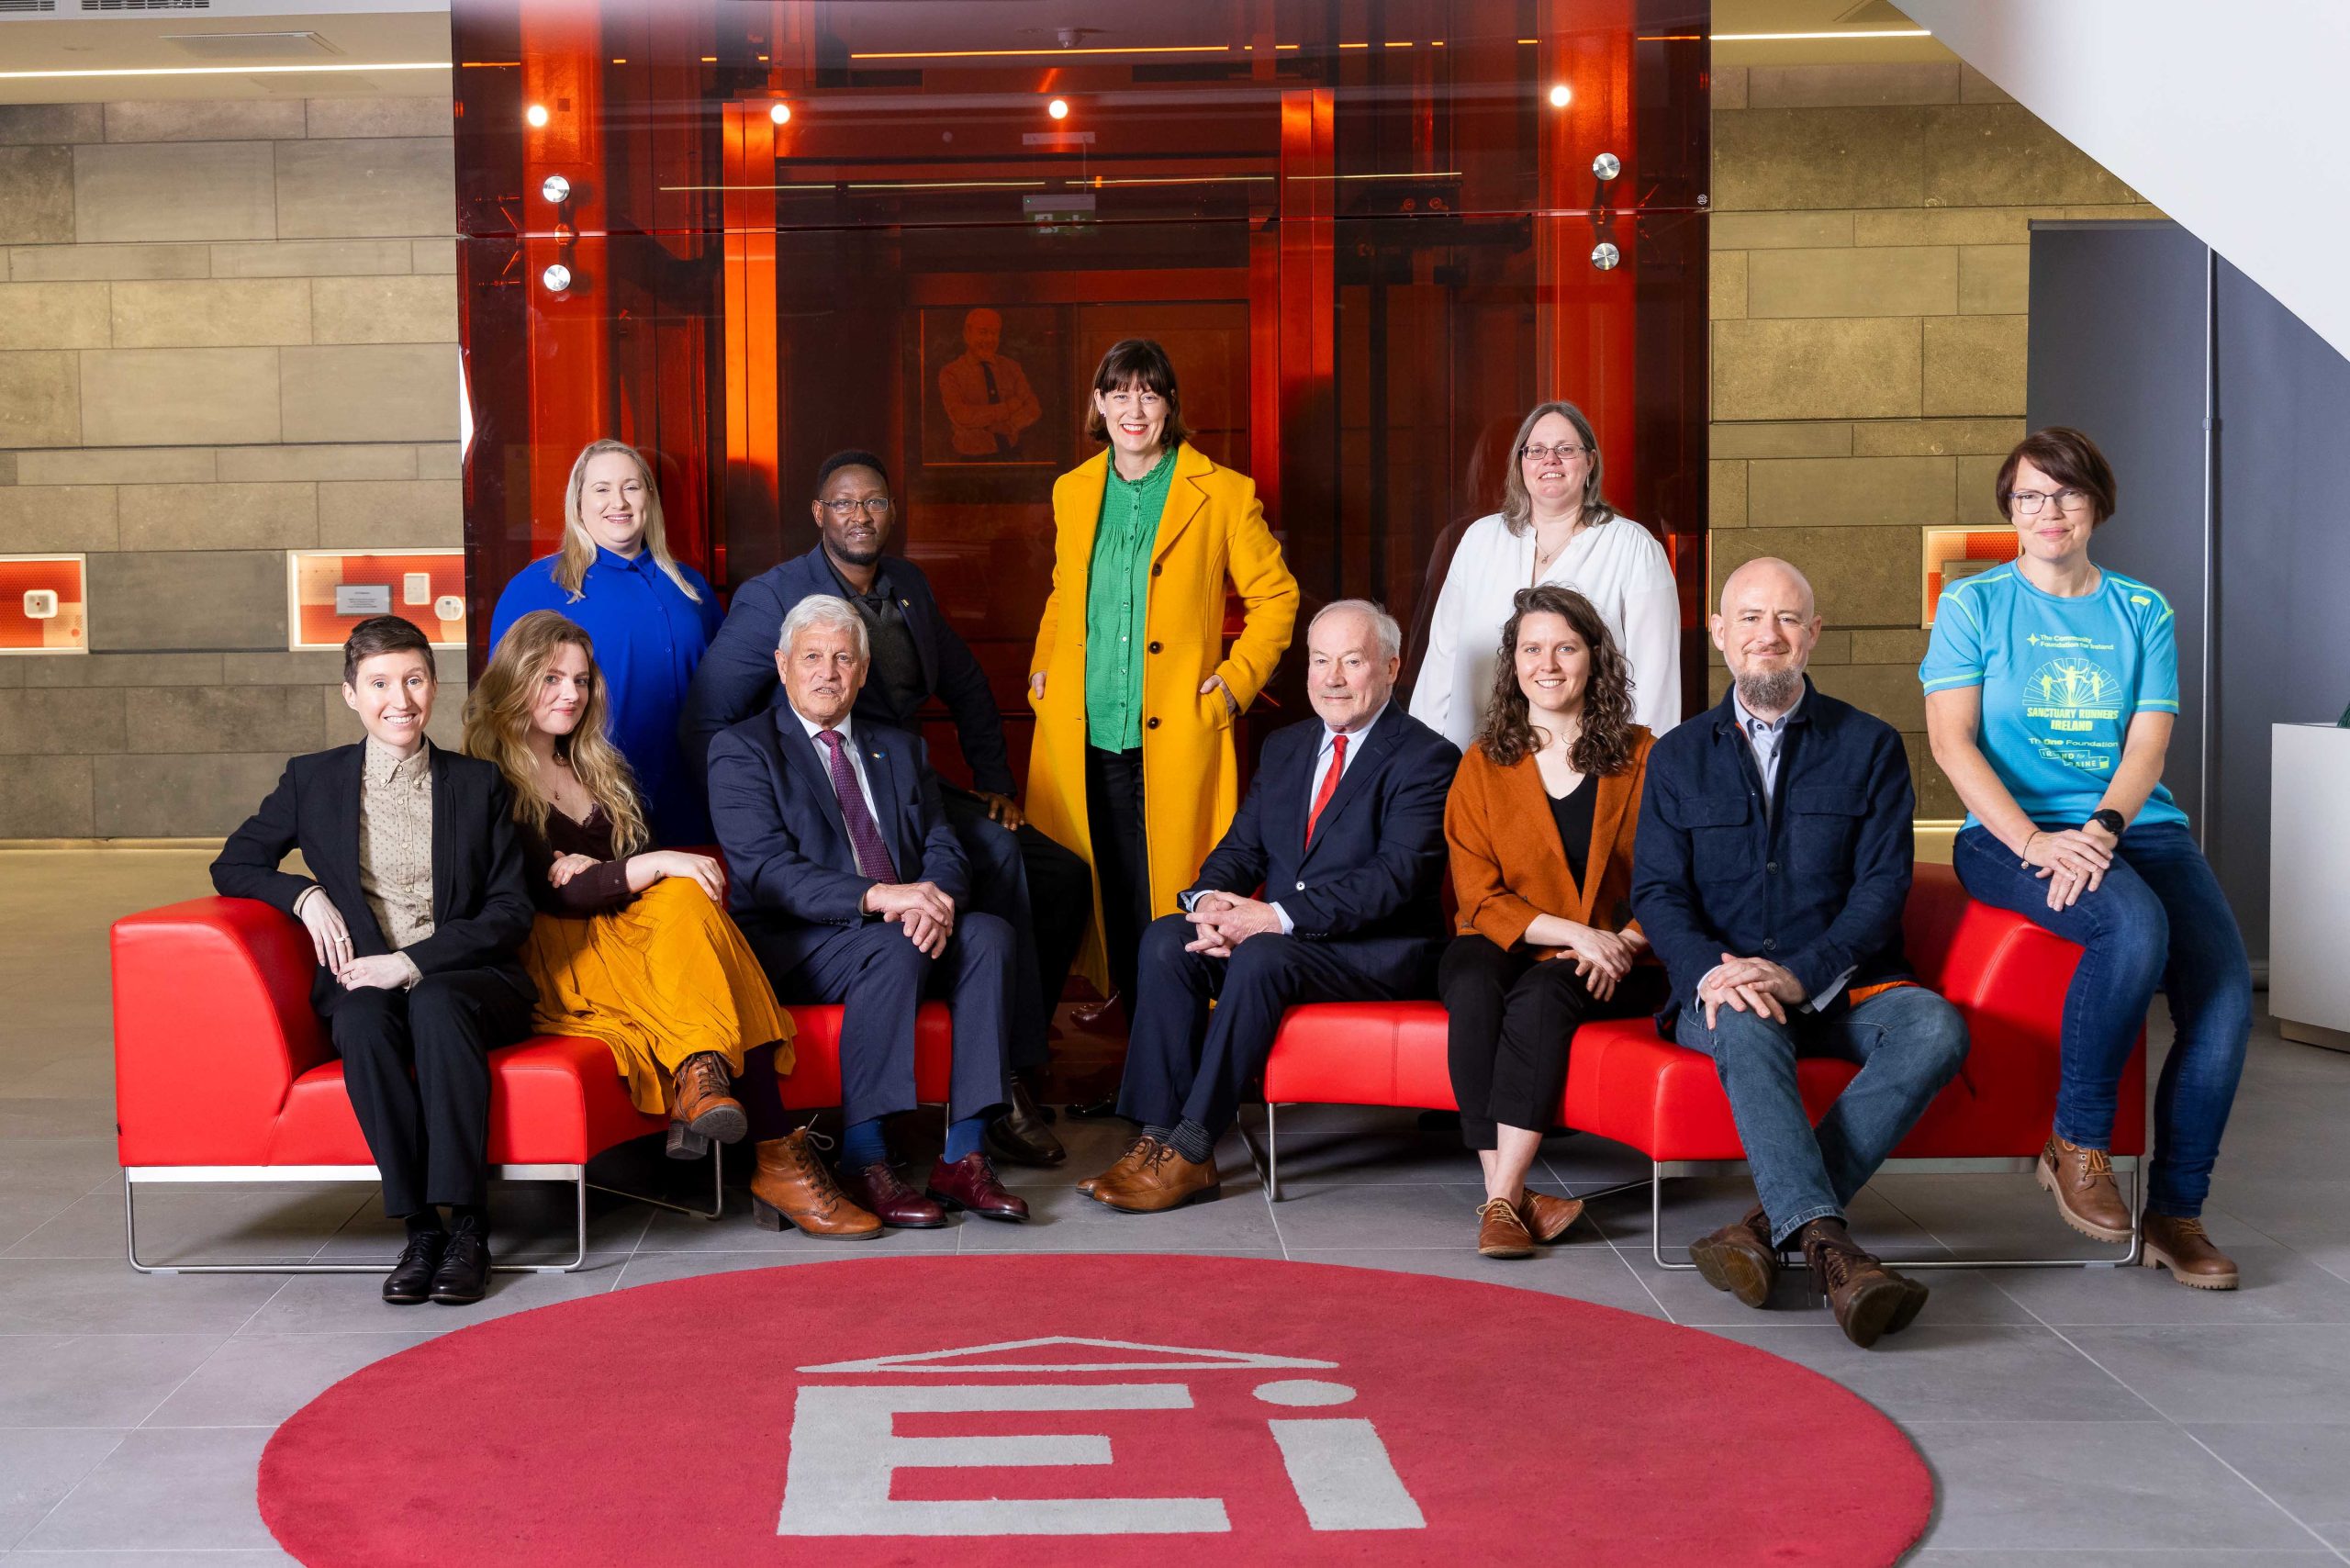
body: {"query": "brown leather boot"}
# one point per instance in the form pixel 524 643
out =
pixel 1137 1153
pixel 1164 1181
pixel 792 1184
pixel 1868 1299
pixel 2081 1180
pixel 1739 1258
pixel 1500 1233
pixel 1548 1218
pixel 2180 1245
pixel 699 1101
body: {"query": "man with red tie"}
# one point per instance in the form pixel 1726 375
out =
pixel 1343 832
pixel 849 884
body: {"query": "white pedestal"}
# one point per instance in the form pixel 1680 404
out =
pixel 2309 883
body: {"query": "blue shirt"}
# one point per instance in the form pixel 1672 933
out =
pixel 2062 678
pixel 648 636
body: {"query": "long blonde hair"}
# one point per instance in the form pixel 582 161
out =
pixel 498 723
pixel 578 551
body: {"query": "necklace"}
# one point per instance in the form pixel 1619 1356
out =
pixel 1543 558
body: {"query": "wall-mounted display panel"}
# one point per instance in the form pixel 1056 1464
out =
pixel 328 592
pixel 44 604
pixel 1954 554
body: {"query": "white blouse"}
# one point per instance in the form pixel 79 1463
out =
pixel 1618 566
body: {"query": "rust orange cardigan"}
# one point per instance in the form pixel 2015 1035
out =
pixel 1508 867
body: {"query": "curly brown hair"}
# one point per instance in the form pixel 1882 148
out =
pixel 1605 745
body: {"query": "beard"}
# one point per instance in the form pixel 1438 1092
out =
pixel 1770 691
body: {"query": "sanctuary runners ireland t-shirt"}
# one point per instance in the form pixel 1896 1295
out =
pixel 2061 679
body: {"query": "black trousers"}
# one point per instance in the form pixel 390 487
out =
pixel 1044 893
pixel 417 1065
pixel 1121 859
pixel 1511 1021
pixel 1188 1062
pixel 879 978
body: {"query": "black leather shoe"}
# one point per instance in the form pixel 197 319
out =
pixel 411 1278
pixel 463 1277
pixel 1019 1137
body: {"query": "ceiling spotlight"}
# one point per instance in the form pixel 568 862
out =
pixel 536 113
pixel 1057 109
pixel 780 114
pixel 558 189
pixel 1562 95
pixel 557 278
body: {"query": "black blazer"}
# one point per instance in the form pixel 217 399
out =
pixel 481 894
pixel 789 866
pixel 1374 873
pixel 736 677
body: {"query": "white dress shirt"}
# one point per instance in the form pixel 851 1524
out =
pixel 1618 566
pixel 1322 759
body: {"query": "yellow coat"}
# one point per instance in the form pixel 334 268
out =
pixel 1213 527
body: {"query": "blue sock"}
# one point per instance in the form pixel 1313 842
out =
pixel 963 1138
pixel 863 1144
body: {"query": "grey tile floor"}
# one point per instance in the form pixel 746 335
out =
pixel 2083 1418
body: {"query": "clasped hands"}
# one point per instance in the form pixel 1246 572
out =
pixel 1221 922
pixel 1601 958
pixel 331 941
pixel 2072 860
pixel 1750 985
pixel 926 913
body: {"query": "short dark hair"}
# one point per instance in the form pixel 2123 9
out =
pixel 383 634
pixel 2067 456
pixel 1139 360
pixel 852 457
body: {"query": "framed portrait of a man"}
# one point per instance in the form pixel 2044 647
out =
pixel 992 386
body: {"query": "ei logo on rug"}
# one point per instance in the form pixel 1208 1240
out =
pixel 847 1453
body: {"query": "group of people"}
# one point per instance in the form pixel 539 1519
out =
pixel 1740 876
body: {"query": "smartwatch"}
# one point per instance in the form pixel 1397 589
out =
pixel 2113 822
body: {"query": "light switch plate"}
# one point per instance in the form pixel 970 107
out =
pixel 416 587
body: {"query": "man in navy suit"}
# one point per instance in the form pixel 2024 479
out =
pixel 1042 890
pixel 849 886
pixel 1343 829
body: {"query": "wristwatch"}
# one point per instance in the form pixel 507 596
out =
pixel 2113 822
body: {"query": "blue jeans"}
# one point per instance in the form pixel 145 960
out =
pixel 1909 1041
pixel 2158 918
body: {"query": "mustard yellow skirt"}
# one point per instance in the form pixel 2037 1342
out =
pixel 659 981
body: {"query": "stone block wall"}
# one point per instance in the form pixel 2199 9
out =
pixel 1871 251
pixel 226 330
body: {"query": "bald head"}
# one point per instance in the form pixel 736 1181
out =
pixel 1766 628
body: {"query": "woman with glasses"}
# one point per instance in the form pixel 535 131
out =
pixel 1553 528
pixel 1134 688
pixel 651 617
pixel 2051 686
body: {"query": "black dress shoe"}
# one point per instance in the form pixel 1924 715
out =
pixel 463 1277
pixel 1019 1137
pixel 411 1278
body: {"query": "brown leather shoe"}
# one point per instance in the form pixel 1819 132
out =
pixel 970 1184
pixel 1547 1218
pixel 1021 1135
pixel 1500 1233
pixel 2180 1245
pixel 877 1188
pixel 1739 1258
pixel 792 1184
pixel 2082 1183
pixel 1164 1180
pixel 699 1101
pixel 1868 1299
pixel 1137 1153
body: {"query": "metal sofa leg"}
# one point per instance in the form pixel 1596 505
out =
pixel 717 1191
pixel 575 1175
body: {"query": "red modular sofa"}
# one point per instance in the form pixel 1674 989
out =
pixel 222 1071
pixel 1623 1082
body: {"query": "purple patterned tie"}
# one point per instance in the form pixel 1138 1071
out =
pixel 872 854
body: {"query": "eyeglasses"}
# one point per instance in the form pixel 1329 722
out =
pixel 2027 503
pixel 1545 454
pixel 872 506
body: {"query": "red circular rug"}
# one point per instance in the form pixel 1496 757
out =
pixel 1080 1412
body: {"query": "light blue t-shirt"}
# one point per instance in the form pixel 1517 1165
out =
pixel 2061 679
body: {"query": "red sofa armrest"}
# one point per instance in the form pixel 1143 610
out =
pixel 212 1023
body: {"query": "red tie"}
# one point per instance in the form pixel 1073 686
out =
pixel 1329 784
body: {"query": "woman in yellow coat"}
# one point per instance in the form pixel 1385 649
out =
pixel 1134 689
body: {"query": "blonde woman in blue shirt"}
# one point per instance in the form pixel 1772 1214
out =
pixel 2051 686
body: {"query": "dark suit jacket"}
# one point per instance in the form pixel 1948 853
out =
pixel 1374 873
pixel 1816 884
pixel 481 894
pixel 788 861
pixel 736 677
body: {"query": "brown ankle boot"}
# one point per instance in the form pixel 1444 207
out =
pixel 1739 1258
pixel 2081 1180
pixel 1868 1299
pixel 700 1102
pixel 2180 1245
pixel 792 1184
